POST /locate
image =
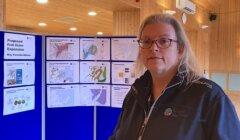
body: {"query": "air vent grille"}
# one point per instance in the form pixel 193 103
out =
pixel 68 20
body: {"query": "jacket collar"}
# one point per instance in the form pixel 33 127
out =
pixel 143 86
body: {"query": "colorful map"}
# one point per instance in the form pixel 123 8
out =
pixel 94 49
pixel 62 48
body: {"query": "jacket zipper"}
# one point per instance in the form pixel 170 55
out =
pixel 141 132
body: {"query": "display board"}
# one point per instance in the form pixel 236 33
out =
pixel 21 87
pixel 83 74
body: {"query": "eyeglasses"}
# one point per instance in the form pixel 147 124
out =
pixel 161 43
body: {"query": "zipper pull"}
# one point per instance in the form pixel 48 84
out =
pixel 141 131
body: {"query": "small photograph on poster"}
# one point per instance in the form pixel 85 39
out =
pixel 94 72
pixel 118 95
pixel 63 96
pixel 123 73
pixel 19 46
pixel 124 49
pixel 17 73
pixel 61 48
pixel 18 99
pixel 59 72
pixel 95 48
pixel 94 95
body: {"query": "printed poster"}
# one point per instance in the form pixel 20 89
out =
pixel 94 95
pixel 18 99
pixel 123 73
pixel 124 49
pixel 61 48
pixel 63 96
pixel 17 73
pixel 59 72
pixel 19 46
pixel 118 95
pixel 94 72
pixel 95 49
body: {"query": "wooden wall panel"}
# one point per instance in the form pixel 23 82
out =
pixel 2 14
pixel 226 35
pixel 235 98
pixel 225 43
pixel 126 22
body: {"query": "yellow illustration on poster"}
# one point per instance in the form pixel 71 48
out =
pixel 63 96
pixel 19 46
pixel 18 99
pixel 60 72
pixel 60 48
pixel 95 49
pixel 123 73
pixel 17 73
pixel 94 72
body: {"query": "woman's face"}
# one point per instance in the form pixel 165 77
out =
pixel 155 58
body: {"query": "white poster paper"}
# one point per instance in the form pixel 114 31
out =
pixel 94 72
pixel 118 95
pixel 123 72
pixel 59 72
pixel 94 95
pixel 17 73
pixel 18 99
pixel 60 48
pixel 19 46
pixel 94 49
pixel 63 96
pixel 124 49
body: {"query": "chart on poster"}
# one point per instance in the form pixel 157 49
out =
pixel 63 95
pixel 62 72
pixel 18 99
pixel 123 73
pixel 95 48
pixel 94 72
pixel 17 73
pixel 124 49
pixel 94 95
pixel 61 48
pixel 118 95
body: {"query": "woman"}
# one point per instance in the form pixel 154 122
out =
pixel 171 100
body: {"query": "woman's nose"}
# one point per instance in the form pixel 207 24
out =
pixel 154 46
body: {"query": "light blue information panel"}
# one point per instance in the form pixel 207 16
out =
pixel 220 79
pixel 234 82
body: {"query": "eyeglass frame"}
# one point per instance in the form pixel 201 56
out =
pixel 155 41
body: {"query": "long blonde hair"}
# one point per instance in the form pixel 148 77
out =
pixel 187 59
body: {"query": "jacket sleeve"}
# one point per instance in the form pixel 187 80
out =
pixel 223 122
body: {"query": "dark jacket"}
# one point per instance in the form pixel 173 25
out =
pixel 200 111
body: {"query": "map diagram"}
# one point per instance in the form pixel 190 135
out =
pixel 63 95
pixel 124 49
pixel 123 73
pixel 62 48
pixel 94 95
pixel 94 72
pixel 62 72
pixel 19 73
pixel 94 49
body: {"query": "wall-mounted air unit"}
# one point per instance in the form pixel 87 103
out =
pixel 186 6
